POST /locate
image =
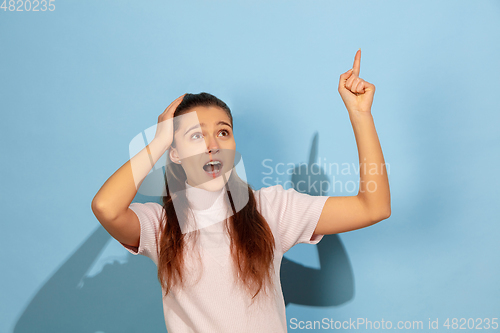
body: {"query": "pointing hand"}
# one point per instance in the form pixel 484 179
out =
pixel 356 93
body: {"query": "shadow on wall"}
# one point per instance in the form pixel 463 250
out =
pixel 126 298
pixel 333 284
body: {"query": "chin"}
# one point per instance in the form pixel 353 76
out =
pixel 215 184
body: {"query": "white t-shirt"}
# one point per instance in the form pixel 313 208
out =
pixel 215 303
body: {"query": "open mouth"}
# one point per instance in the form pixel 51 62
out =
pixel 213 168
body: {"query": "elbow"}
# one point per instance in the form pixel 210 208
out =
pixel 102 212
pixel 376 209
pixel 385 214
pixel 381 215
pixel 96 207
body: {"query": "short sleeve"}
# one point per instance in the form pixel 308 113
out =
pixel 150 214
pixel 297 214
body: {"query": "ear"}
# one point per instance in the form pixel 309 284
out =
pixel 174 156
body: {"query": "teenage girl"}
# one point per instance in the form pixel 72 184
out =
pixel 217 242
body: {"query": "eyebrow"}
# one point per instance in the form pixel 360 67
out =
pixel 203 125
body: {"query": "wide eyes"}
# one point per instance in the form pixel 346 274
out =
pixel 198 135
pixel 226 132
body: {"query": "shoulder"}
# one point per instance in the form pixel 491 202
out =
pixel 294 214
pixel 278 199
pixel 271 198
pixel 152 212
pixel 270 191
pixel 276 193
pixel 151 206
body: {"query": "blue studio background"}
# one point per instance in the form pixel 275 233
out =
pixel 79 82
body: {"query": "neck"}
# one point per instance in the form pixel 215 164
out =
pixel 201 199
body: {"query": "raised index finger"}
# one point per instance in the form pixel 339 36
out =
pixel 357 62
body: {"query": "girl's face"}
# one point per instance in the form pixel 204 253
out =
pixel 205 147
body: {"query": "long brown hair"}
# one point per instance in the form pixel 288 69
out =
pixel 252 242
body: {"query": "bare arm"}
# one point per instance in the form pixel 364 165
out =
pixel 111 203
pixel 372 203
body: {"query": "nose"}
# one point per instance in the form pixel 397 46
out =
pixel 212 145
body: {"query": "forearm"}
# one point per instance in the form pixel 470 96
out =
pixel 374 183
pixel 117 193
